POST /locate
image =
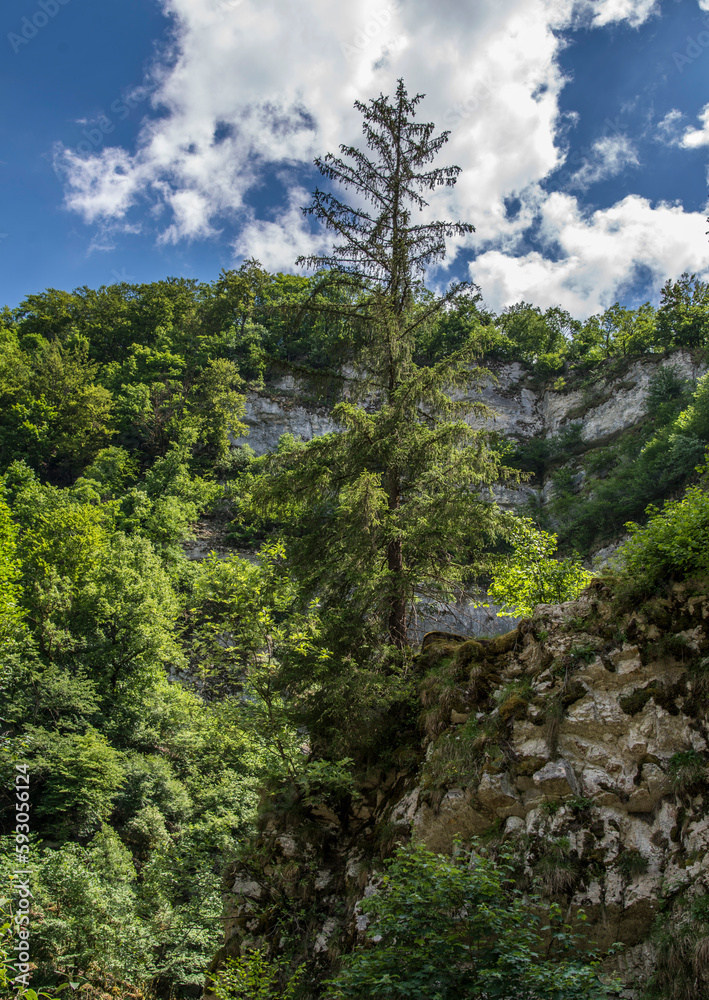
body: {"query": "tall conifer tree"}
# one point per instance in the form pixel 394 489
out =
pixel 395 506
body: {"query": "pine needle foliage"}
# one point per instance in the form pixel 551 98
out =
pixel 397 505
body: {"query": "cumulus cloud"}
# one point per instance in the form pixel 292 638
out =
pixel 253 87
pixel 257 84
pixel 695 137
pixel 599 254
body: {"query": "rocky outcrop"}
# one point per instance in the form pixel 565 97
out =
pixel 601 779
pixel 523 407
pixel 268 417
pixel 578 740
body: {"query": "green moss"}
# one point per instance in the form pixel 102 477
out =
pixel 573 691
pixel 637 700
pixel 469 652
pixel 631 863
pixel 456 759
pixel 530 765
pixel 441 638
pixel 514 707
pixel 688 770
pixel 503 643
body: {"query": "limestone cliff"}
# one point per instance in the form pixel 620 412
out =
pixel 524 407
pixel 579 739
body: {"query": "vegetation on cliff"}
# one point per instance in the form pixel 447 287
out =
pixel 154 702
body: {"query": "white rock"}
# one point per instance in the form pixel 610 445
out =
pixel 405 809
pixel 556 779
pixel 495 792
pixel 627 660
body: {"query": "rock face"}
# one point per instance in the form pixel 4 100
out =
pixel 268 417
pixel 578 740
pixel 523 407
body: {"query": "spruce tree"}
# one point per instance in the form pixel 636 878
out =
pixel 396 506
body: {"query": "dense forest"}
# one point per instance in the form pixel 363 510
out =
pixel 155 701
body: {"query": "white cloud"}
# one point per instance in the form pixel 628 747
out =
pixel 99 187
pixel 608 156
pixel 603 12
pixel 256 84
pixel 277 244
pixel 693 138
pixel 668 129
pixel 253 85
pixel 600 253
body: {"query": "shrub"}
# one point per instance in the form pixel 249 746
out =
pixel 456 757
pixel 687 769
pixel 456 927
pixel 631 863
pixel 533 575
pixel 674 543
pixel 254 977
pixel 682 965
pixel 326 782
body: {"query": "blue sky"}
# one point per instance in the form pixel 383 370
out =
pixel 146 138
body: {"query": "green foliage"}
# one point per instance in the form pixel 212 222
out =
pixel 10 571
pixel 631 863
pixel 673 544
pixel 389 503
pixel 117 409
pixel 51 408
pixel 687 770
pixel 81 775
pixel 556 871
pixel 335 496
pixel 456 758
pixel 580 804
pixel 532 575
pixel 125 767
pixel 538 338
pixel 328 782
pixel 254 977
pixel 452 927
pixel 681 937
pixel 647 464
pixel 665 394
pixel 683 316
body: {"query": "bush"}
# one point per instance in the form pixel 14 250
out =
pixel 533 575
pixel 456 927
pixel 254 977
pixel 631 863
pixel 673 544
pixel 687 769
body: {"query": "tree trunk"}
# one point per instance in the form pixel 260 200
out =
pixel 397 600
pixel 395 565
